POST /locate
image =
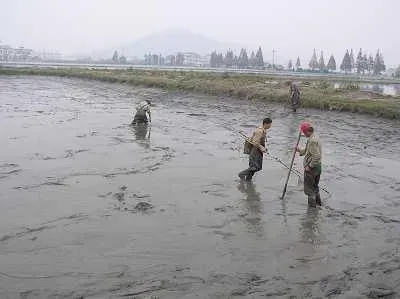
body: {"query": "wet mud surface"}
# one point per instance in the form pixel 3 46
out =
pixel 94 208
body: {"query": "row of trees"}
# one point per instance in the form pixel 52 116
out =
pixel 117 59
pixel 256 60
pixel 397 72
pixel 363 63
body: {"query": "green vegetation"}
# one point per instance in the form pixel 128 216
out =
pixel 316 92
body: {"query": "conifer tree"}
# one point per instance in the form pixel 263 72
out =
pixel 321 63
pixel 331 64
pixel 346 63
pixel 314 62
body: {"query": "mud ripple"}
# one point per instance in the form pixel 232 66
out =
pixel 49 182
pixel 25 232
pixel 7 169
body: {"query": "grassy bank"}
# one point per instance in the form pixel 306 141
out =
pixel 316 93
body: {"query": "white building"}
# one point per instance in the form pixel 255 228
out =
pixel 8 53
pixel 21 54
pixel 194 59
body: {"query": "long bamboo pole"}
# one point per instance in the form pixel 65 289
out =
pixel 291 165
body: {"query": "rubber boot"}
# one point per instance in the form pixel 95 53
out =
pixel 242 175
pixel 250 175
pixel 312 201
pixel 318 200
pixel 249 178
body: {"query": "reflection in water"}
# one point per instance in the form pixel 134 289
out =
pixel 293 125
pixel 307 249
pixel 252 206
pixel 284 212
pixel 142 134
pixel 385 89
pixel 310 227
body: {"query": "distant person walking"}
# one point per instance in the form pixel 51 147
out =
pixel 256 153
pixel 143 113
pixel 294 96
pixel 312 164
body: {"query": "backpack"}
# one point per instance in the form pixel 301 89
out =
pixel 247 148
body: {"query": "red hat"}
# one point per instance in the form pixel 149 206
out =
pixel 305 126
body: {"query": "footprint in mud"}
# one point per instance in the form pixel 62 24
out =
pixel 135 195
pixel 39 156
pixel 143 206
pixel 104 195
pixel 120 196
pixel 71 153
pixel 125 204
pixel 224 235
pixel 224 208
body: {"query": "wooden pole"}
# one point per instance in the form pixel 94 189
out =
pixel 291 165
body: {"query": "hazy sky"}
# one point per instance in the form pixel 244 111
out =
pixel 292 27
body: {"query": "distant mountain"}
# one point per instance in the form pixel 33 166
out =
pixel 167 42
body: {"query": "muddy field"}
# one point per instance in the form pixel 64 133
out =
pixel 94 208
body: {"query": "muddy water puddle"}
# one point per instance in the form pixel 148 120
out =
pixel 94 208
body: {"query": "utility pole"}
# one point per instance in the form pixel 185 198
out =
pixel 273 59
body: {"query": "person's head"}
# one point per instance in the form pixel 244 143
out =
pixel 307 129
pixel 267 123
pixel 148 102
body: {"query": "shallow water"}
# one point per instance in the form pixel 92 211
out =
pixel 384 89
pixel 93 208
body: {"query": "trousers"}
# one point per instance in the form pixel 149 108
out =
pixel 140 119
pixel 311 187
pixel 255 164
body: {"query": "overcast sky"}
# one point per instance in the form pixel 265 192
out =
pixel 292 27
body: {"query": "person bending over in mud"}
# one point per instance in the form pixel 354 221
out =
pixel 143 113
pixel 257 151
pixel 312 164
pixel 294 96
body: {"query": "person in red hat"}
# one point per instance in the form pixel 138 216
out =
pixel 312 164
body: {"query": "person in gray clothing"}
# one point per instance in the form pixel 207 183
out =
pixel 143 113
pixel 312 164
pixel 294 96
pixel 257 151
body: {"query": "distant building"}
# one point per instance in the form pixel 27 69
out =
pixel 170 60
pixel 49 56
pixel 194 59
pixel 8 53
pixel 22 54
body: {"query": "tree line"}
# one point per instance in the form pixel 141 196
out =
pixel 243 61
pixel 363 63
pixel 118 59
